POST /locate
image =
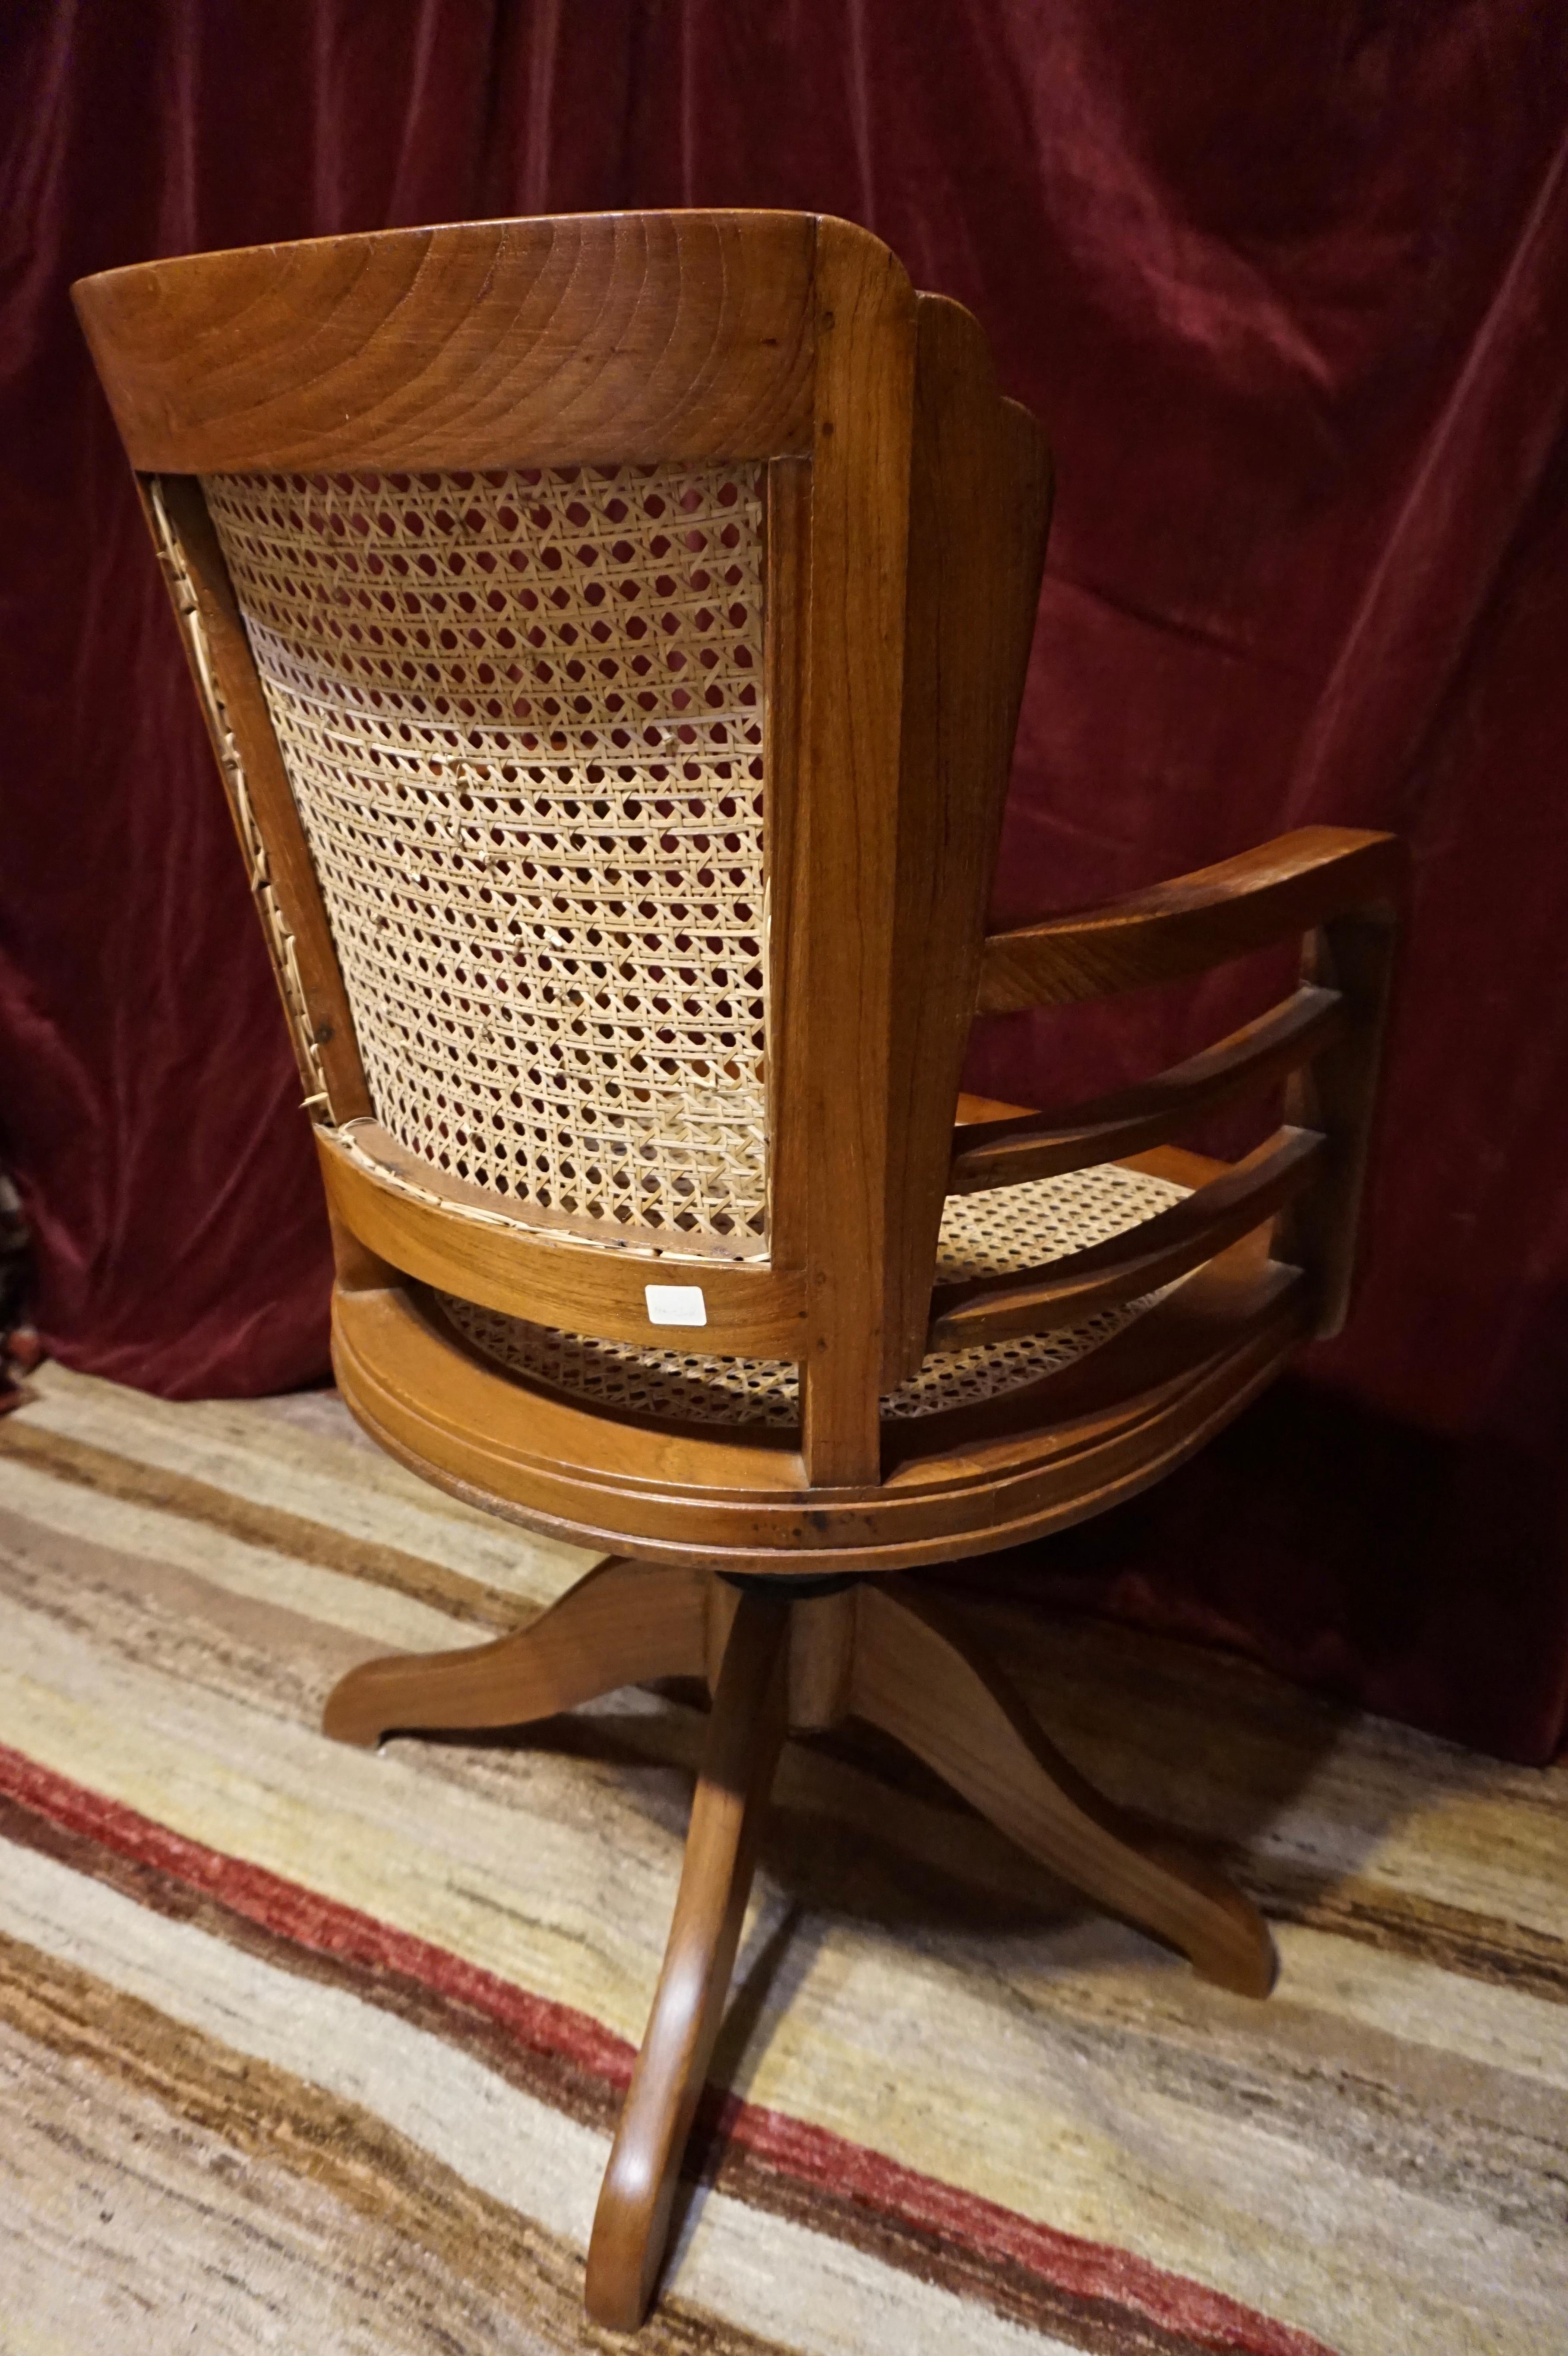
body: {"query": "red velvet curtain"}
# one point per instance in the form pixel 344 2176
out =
pixel 1290 285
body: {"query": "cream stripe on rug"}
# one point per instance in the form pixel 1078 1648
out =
pixel 772 2278
pixel 358 1491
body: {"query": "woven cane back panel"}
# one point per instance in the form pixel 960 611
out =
pixel 989 1234
pixel 521 713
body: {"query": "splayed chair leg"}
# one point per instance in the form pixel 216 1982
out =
pixel 886 1653
pixel 918 1678
pixel 623 1625
pixel 745 1736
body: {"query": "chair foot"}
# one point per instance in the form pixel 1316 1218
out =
pixel 884 1652
pixel 624 1623
pixel 919 1679
pixel 745 1737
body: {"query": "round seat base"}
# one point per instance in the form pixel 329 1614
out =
pixel 969 1482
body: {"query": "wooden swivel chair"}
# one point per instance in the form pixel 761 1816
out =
pixel 611 633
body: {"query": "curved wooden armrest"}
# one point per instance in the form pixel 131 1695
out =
pixel 1290 886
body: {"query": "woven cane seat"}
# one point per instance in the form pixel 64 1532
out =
pixel 988 1234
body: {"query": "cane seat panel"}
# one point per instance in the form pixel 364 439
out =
pixel 986 1234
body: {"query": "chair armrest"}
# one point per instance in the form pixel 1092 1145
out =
pixel 1020 1146
pixel 1291 885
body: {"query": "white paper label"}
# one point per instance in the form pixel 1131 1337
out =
pixel 676 1304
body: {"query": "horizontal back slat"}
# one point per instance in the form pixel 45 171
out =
pixel 1151 1112
pixel 432 1228
pixel 1137 1262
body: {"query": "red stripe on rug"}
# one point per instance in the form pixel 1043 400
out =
pixel 813 2154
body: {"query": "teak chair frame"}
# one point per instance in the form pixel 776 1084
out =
pixel 906 510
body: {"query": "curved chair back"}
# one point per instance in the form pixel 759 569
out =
pixel 612 631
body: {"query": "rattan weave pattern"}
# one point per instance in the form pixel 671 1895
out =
pixel 987 1234
pixel 521 713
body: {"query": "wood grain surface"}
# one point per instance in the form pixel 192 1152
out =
pixel 593 337
pixel 1194 922
pixel 745 1735
pixel 624 1625
pixel 1005 1150
pixel 1171 1243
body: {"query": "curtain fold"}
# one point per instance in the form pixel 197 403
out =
pixel 1290 287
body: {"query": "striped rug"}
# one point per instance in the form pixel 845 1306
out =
pixel 307 2050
